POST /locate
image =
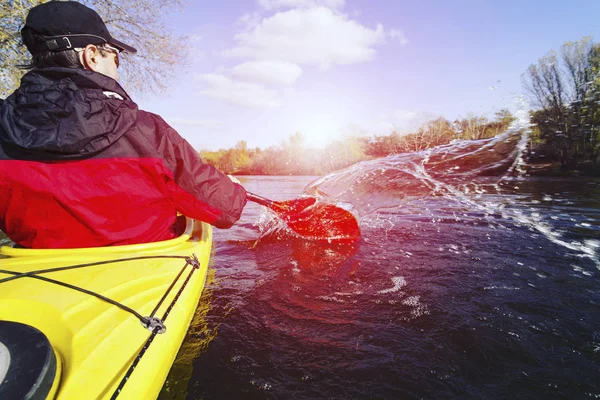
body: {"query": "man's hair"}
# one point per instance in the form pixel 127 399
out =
pixel 65 58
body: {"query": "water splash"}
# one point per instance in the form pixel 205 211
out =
pixel 398 282
pixel 465 173
pixel 439 171
pixel 269 225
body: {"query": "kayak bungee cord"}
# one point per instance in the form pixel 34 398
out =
pixel 193 261
pixel 152 323
pixel 80 289
pixel 18 275
pixel 146 321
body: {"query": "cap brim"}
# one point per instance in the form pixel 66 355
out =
pixel 122 46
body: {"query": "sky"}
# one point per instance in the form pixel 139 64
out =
pixel 262 70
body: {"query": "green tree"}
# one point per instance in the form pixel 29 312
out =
pixel 242 160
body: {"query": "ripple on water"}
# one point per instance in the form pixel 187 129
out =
pixel 472 290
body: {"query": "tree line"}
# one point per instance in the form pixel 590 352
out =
pixel 294 157
pixel 564 90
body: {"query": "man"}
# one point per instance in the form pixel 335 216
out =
pixel 80 164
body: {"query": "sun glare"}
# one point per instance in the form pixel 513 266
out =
pixel 320 130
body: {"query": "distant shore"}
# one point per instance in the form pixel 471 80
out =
pixel 554 170
pixel 541 169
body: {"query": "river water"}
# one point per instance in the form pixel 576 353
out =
pixel 471 280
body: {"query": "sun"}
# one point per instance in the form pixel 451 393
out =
pixel 321 129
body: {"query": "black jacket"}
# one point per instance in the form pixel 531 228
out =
pixel 82 166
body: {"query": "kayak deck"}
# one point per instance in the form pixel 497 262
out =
pixel 104 310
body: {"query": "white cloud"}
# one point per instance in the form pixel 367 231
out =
pixel 249 21
pixel 278 4
pixel 314 36
pixel 267 72
pixel 398 35
pixel 237 93
pixel 274 44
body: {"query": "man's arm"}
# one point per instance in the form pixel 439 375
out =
pixel 200 190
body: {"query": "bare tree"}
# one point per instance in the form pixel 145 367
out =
pixel 544 82
pixel 140 23
pixel 12 53
pixel 565 97
pixel 575 56
pixel 433 133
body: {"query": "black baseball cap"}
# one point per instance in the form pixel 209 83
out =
pixel 64 25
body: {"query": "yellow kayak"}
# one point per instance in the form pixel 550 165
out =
pixel 98 323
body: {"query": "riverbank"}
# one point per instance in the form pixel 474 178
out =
pixel 541 169
pixel 547 169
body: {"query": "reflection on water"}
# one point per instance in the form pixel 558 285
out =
pixel 465 284
pixel 197 339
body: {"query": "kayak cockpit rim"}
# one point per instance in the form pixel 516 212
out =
pixel 194 231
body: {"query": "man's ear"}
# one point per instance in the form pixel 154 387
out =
pixel 90 57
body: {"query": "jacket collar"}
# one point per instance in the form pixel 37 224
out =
pixel 83 78
pixel 65 113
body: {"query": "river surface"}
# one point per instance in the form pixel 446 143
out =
pixel 467 283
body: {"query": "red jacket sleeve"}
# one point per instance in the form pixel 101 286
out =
pixel 200 191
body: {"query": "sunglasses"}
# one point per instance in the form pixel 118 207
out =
pixel 106 47
pixel 113 50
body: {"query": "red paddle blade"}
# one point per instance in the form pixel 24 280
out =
pixel 317 221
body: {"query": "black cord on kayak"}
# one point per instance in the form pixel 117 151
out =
pixel 36 275
pixel 79 289
pixel 158 324
pixel 193 261
pixel 195 264
pixel 135 363
pixel 18 275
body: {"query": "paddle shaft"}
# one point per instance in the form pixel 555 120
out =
pixel 259 200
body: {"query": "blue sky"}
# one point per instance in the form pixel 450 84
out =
pixel 260 70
